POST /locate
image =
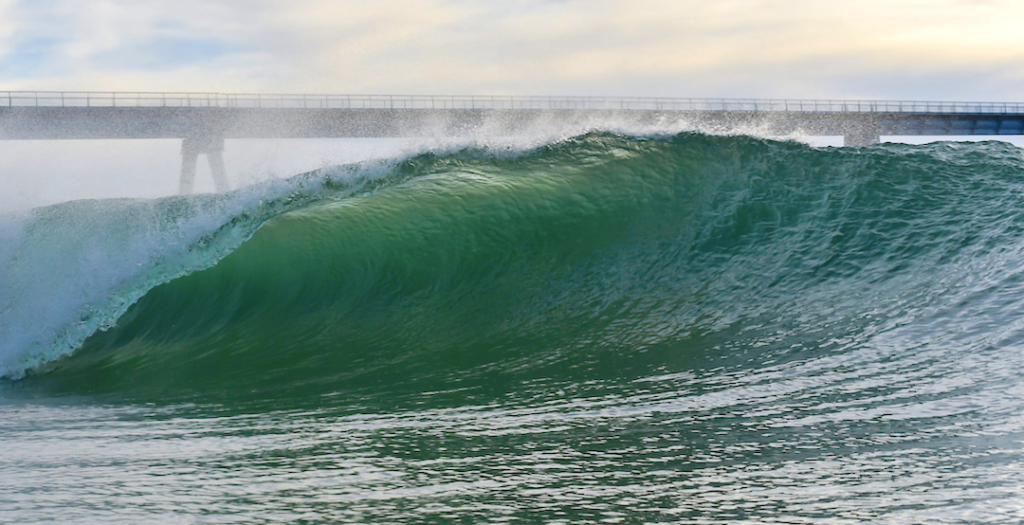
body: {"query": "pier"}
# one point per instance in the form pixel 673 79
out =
pixel 203 121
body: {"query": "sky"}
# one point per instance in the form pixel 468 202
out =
pixel 869 49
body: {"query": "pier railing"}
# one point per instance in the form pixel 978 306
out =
pixel 84 99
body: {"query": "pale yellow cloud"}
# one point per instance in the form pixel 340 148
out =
pixel 653 47
pixel 667 36
pixel 7 26
pixel 554 43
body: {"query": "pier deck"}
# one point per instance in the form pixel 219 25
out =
pixel 204 120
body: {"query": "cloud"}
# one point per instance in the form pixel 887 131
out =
pixel 7 26
pixel 792 48
pixel 61 39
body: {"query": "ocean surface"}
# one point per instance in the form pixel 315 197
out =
pixel 603 329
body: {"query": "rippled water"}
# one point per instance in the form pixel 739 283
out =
pixel 930 437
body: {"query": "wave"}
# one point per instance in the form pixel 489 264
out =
pixel 598 257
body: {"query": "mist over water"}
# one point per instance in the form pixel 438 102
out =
pixel 40 173
pixel 600 328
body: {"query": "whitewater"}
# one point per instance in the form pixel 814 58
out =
pixel 606 328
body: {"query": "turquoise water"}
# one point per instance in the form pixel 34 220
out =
pixel 606 329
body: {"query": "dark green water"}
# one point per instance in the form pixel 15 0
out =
pixel 688 329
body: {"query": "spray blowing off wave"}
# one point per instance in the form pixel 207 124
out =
pixel 601 256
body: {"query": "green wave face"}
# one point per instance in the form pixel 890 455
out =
pixel 602 258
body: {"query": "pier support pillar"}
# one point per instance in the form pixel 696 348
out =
pixel 213 148
pixel 220 175
pixel 189 157
pixel 861 134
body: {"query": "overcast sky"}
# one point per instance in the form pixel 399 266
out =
pixel 890 49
